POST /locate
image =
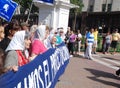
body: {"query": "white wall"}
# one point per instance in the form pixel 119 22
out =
pixel 63 19
pixel 67 1
pixel 97 6
pixel 45 15
pixel 116 5
pixel 85 2
pixel 56 15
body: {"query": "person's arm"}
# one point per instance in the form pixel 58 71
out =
pixel 75 37
pixel 118 37
pixel 110 38
pixel 12 68
pixel 86 42
pixel 33 56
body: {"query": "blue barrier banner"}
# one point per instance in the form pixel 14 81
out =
pixel 47 1
pixel 43 72
pixel 7 8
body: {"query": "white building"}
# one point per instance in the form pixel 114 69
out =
pixel 103 14
pixel 101 5
pixel 55 15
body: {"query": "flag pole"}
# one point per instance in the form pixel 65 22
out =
pixel 29 12
pixel 19 2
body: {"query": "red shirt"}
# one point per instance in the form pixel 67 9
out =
pixel 21 58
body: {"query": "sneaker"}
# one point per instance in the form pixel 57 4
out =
pixel 118 72
pixel 71 55
pixel 90 58
pixel 104 53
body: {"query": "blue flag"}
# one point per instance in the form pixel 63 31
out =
pixel 7 9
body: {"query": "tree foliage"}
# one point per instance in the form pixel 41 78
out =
pixel 79 3
pixel 25 5
pixel 76 11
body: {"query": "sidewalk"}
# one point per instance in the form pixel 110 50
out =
pixel 84 73
pixel 114 60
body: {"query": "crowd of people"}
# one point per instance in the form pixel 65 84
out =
pixel 109 41
pixel 20 43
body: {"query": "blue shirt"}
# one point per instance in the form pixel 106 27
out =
pixel 90 38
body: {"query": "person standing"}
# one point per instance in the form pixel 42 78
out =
pixel 62 34
pixel 10 30
pixel 37 45
pixel 72 40
pixel 89 43
pixel 115 39
pixel 79 37
pixel 85 43
pixel 67 35
pixel 16 54
pixel 95 33
pixel 108 39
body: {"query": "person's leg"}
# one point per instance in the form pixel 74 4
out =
pixel 114 47
pixel 69 48
pixel 114 50
pixel 95 46
pixel 86 52
pixel 79 46
pixel 89 51
pixel 104 48
pixel 85 47
pixel 72 48
pixel 108 47
pixel 75 47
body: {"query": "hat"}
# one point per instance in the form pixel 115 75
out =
pixel 24 24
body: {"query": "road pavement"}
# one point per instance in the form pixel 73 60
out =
pixel 96 73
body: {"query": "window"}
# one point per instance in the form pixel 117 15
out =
pixel 91 5
pixel 91 8
pixel 103 7
pixel 109 7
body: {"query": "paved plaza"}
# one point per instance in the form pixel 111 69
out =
pixel 96 73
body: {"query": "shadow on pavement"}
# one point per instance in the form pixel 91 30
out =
pixel 103 74
pixel 116 85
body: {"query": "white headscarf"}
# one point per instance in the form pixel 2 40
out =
pixel 33 28
pixel 40 32
pixel 17 42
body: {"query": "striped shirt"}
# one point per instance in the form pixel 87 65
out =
pixel 90 38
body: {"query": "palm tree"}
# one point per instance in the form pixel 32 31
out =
pixel 76 11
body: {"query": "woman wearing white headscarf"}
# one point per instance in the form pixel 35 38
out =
pixel 37 46
pixel 15 51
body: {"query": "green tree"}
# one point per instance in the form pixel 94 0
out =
pixel 76 11
pixel 25 5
